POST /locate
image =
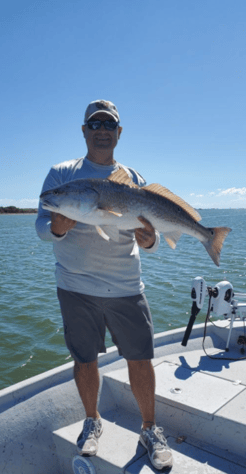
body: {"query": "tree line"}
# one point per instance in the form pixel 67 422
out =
pixel 17 210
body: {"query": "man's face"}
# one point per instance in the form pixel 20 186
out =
pixel 101 139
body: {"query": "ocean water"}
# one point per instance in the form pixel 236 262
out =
pixel 31 332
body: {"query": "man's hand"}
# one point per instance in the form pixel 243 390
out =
pixel 61 224
pixel 145 236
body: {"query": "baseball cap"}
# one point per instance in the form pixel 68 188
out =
pixel 102 106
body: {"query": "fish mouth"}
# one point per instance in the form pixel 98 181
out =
pixel 48 205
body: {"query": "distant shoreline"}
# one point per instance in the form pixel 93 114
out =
pixel 16 210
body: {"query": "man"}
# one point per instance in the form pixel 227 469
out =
pixel 99 286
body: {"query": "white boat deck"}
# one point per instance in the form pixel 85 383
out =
pixel 200 403
pixel 120 451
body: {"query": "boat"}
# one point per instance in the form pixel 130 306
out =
pixel 200 402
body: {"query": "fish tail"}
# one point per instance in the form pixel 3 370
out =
pixel 214 244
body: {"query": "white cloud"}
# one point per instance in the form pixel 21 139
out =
pixel 240 191
pixel 221 198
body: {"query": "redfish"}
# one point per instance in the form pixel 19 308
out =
pixel 115 203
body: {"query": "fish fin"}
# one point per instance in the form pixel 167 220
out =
pixel 172 238
pixel 102 233
pixel 103 213
pixel 112 232
pixel 215 243
pixel 158 189
pixel 121 177
pixel 116 213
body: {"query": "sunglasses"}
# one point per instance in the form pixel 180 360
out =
pixel 96 124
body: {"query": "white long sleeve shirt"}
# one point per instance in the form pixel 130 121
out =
pixel 85 262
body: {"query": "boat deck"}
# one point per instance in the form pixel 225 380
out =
pixel 200 403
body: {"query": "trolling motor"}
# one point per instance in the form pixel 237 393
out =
pixel 198 293
pixel 221 303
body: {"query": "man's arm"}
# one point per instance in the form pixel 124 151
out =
pixel 52 226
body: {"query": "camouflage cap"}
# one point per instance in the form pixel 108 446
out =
pixel 102 106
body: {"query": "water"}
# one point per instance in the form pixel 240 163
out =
pixel 31 332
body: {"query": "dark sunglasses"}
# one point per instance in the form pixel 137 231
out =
pixel 96 124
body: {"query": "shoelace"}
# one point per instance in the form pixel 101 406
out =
pixel 157 433
pixel 88 426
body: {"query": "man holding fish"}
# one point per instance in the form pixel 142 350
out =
pixel 99 286
pixel 97 212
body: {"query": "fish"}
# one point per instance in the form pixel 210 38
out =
pixel 114 204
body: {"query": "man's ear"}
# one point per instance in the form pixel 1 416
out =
pixel 119 131
pixel 83 129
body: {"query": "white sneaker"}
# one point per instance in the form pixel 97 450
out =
pixel 156 444
pixel 87 442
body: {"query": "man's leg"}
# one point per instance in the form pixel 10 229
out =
pixel 142 380
pixel 87 380
pixel 84 330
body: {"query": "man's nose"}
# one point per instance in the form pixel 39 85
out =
pixel 102 123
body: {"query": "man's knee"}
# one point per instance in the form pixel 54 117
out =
pixel 85 366
pixel 139 362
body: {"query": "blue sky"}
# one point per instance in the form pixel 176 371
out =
pixel 174 68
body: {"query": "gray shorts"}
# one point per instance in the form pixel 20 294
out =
pixel 85 319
